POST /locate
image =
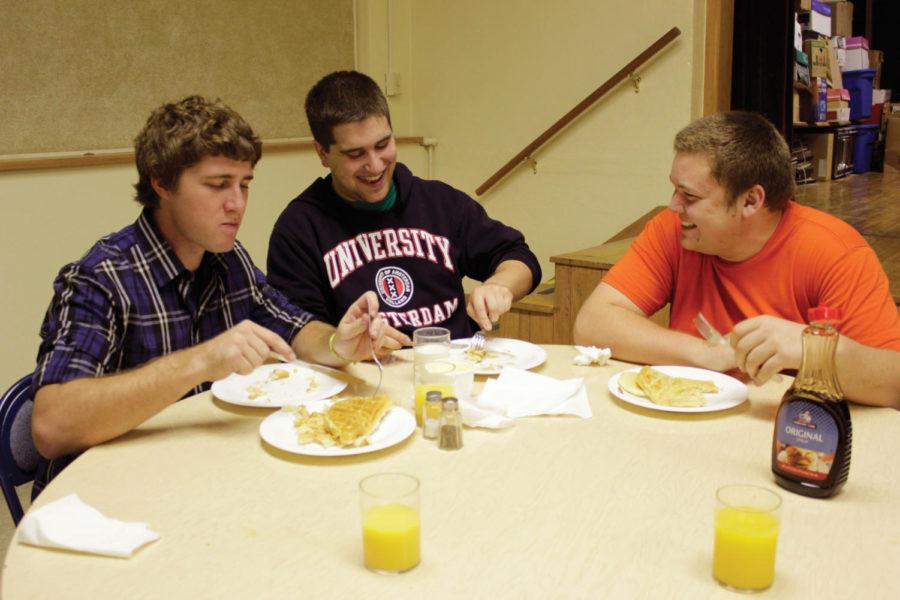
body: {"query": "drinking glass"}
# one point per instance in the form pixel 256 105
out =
pixel 746 523
pixel 391 527
pixel 431 343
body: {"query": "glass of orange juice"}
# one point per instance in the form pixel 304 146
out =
pixel 746 523
pixel 391 526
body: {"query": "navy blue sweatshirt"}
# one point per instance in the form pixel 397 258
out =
pixel 323 253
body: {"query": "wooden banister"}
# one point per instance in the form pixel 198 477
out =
pixel 579 108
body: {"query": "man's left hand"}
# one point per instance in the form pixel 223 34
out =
pixel 487 303
pixel 765 345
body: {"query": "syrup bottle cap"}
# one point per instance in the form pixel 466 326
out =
pixel 824 313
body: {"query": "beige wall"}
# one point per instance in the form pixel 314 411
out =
pixel 486 78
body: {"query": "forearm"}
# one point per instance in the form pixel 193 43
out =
pixel 634 337
pixel 84 412
pixel 311 344
pixel 868 375
pixel 513 275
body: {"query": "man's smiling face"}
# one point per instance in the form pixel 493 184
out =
pixel 361 159
pixel 710 224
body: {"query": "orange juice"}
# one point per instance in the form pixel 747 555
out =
pixel 744 555
pixel 391 535
pixel 422 390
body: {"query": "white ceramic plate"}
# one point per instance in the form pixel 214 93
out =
pixel 731 391
pixel 501 352
pixel 278 430
pixel 267 386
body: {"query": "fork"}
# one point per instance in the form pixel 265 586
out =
pixel 476 345
pixel 380 367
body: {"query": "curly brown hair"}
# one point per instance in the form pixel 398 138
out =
pixel 743 149
pixel 179 135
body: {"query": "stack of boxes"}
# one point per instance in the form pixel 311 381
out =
pixel 834 77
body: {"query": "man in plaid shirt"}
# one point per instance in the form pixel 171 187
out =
pixel 156 311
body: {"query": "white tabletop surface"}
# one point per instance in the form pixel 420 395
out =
pixel 618 506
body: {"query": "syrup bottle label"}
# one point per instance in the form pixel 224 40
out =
pixel 806 440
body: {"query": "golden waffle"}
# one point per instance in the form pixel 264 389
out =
pixel 673 391
pixel 346 423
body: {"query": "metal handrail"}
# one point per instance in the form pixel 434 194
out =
pixel 582 106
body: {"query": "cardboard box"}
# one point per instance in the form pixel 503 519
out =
pixel 842 18
pixel 821 146
pixel 892 141
pixel 876 59
pixel 857 54
pixel 820 18
pixel 814 109
pixel 817 51
pixel 834 69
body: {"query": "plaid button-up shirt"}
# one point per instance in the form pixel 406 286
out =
pixel 130 300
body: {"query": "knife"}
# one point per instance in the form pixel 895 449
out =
pixel 330 371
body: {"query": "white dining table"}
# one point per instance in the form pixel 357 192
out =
pixel 618 505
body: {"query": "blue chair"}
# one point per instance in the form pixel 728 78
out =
pixel 18 456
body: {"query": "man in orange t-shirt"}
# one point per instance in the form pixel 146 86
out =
pixel 736 247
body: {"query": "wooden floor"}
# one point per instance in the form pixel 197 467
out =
pixel 870 202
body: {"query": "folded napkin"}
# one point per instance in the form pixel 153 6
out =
pixel 476 416
pixel 591 355
pixel 519 393
pixel 70 524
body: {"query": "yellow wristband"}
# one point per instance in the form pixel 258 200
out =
pixel 335 352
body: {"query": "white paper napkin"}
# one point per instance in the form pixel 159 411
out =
pixel 70 524
pixel 591 355
pixel 476 416
pixel 519 393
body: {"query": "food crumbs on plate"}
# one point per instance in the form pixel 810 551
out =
pixel 254 392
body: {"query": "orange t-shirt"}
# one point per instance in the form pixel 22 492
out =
pixel 812 258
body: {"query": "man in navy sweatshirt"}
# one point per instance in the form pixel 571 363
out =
pixel 372 225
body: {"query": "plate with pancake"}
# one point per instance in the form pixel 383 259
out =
pixel 377 428
pixel 275 385
pixel 677 389
pixel 499 353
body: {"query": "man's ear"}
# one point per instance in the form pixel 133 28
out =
pixel 162 192
pixel 323 154
pixel 753 200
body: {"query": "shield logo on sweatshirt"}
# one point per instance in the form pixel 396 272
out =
pixel 394 286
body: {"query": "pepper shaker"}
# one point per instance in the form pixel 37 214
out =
pixel 451 425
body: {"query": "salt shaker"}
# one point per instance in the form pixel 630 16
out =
pixel 451 425
pixel 431 424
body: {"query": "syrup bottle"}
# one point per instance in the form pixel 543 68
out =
pixel 811 445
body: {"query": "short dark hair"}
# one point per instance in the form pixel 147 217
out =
pixel 744 149
pixel 343 97
pixel 179 135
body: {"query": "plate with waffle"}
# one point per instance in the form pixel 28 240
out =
pixel 354 425
pixel 677 389
pixel 276 385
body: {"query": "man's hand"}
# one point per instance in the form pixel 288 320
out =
pixel 765 345
pixel 362 323
pixel 240 350
pixel 488 302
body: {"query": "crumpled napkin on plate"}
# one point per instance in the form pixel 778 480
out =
pixel 591 355
pixel 519 393
pixel 70 524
